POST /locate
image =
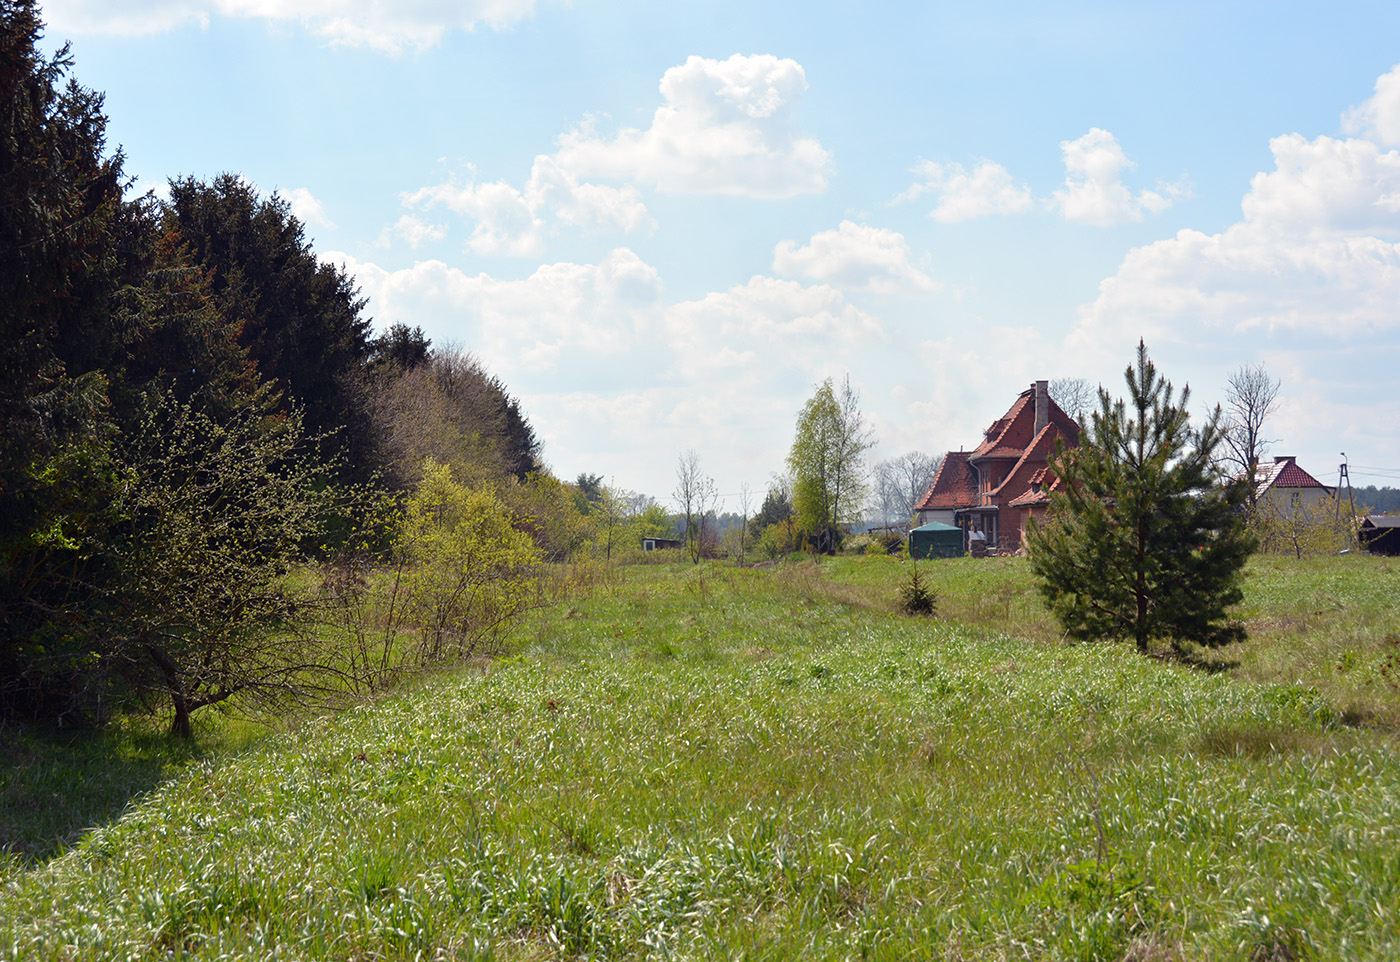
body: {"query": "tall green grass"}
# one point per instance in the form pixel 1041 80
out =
pixel 705 762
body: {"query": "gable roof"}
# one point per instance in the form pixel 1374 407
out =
pixel 954 486
pixel 1284 472
pixel 1010 435
pixel 1034 460
pixel 1038 489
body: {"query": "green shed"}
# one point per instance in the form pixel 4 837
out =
pixel 935 540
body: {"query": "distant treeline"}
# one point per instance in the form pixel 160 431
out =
pixel 148 344
pixel 1377 500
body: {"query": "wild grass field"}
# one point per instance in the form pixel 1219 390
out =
pixel 715 762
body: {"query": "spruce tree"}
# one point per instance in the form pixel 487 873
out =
pixel 1145 539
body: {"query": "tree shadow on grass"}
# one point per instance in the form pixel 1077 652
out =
pixel 55 785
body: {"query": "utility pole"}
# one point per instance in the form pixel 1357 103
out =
pixel 1344 476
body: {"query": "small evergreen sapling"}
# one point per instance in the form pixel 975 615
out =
pixel 917 595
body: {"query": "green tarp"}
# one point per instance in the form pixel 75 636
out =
pixel 935 540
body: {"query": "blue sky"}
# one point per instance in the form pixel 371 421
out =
pixel 662 224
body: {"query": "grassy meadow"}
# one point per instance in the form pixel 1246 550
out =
pixel 718 763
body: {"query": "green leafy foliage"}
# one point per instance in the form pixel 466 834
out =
pixel 468 572
pixel 827 464
pixel 212 516
pixel 1146 541
pixel 122 552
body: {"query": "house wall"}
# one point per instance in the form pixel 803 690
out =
pixel 941 515
pixel 1284 502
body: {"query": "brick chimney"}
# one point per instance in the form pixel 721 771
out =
pixel 1042 405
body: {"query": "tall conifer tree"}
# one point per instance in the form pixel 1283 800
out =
pixel 1145 539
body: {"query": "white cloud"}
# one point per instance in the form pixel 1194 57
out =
pixel 125 19
pixel 505 222
pixel 1093 192
pixel 855 256
pixel 988 189
pixel 307 208
pixel 1314 253
pixel 726 127
pixel 561 311
pixel 413 231
pixel 1379 117
pixel 598 358
pixel 1327 187
pixel 514 221
pixel 592 207
pixel 1309 277
pixel 388 28
pixel 768 324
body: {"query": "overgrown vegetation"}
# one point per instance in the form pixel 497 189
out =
pixel 192 408
pixel 708 762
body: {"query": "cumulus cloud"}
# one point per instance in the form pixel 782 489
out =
pixel 726 127
pixel 1325 187
pixel 1308 279
pixel 1314 252
pixel 388 28
pixel 855 257
pixel 962 195
pixel 307 208
pixel 413 231
pixel 505 222
pixel 526 325
pixel 1093 192
pixel 1379 117
pixel 514 221
pixel 768 323
pixel 598 357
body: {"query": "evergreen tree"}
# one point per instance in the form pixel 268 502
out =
pixel 1145 538
pixel 300 319
pixel 60 194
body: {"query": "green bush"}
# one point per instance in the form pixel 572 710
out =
pixel 467 570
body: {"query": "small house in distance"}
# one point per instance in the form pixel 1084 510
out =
pixel 991 491
pixel 661 544
pixel 1285 487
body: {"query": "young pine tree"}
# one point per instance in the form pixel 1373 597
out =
pixel 1145 539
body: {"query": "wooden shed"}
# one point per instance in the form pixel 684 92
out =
pixel 1380 533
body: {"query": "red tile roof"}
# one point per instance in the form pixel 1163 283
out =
pixel 954 486
pixel 1009 438
pixel 1284 473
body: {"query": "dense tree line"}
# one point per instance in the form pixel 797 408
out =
pixel 190 402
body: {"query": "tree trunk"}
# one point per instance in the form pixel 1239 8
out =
pixel 179 725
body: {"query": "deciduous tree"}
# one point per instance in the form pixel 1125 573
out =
pixel 212 515
pixel 901 483
pixel 697 496
pixel 1145 539
pixel 1075 395
pixel 827 463
pixel 1250 400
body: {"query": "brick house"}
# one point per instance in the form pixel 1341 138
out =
pixel 998 486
